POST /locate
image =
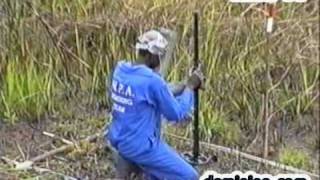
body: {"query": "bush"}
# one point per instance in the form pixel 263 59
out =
pixel 295 158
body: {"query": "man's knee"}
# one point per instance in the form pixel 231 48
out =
pixel 124 168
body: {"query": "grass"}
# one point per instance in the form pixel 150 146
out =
pixel 27 94
pixel 295 158
pixel 241 64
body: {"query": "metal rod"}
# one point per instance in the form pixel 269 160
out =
pixel 196 93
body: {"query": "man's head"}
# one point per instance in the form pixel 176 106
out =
pixel 151 48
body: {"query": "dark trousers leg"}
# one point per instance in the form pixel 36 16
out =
pixel 125 169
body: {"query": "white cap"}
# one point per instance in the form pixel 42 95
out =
pixel 153 41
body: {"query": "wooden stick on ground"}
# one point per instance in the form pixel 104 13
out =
pixel 29 163
pixel 38 169
pixel 64 148
pixel 248 156
pixel 57 137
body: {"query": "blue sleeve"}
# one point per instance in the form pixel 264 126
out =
pixel 174 109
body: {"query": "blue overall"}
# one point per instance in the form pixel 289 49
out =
pixel 140 97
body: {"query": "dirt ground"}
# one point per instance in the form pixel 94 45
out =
pixel 24 141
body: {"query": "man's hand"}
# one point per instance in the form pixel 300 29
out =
pixel 186 121
pixel 196 79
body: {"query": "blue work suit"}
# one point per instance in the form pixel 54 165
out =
pixel 139 98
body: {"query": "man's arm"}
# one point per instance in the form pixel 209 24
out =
pixel 174 109
pixel 177 88
pixel 177 109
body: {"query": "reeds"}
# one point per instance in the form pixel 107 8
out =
pixel 90 36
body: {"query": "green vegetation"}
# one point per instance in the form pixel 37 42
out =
pixel 72 46
pixel 27 93
pixel 55 57
pixel 295 158
pixel 219 129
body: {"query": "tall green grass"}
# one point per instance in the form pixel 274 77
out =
pixel 26 93
pixel 234 49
